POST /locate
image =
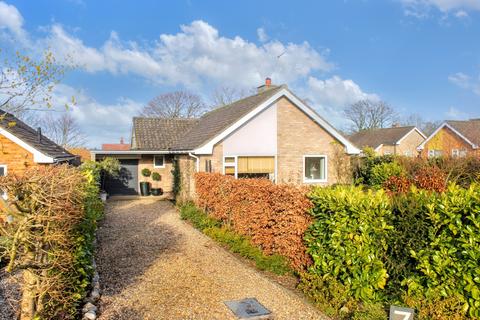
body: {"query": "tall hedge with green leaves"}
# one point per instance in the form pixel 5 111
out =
pixel 348 239
pixel 450 264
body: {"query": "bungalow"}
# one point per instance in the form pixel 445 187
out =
pixel 22 147
pixel 272 134
pixel 453 138
pixel 396 140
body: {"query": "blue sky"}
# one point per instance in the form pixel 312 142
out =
pixel 421 56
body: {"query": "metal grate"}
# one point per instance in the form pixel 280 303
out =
pixel 249 308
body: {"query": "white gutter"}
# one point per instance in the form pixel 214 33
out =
pixel 197 161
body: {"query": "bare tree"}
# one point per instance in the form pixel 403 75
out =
pixel 427 127
pixel 223 96
pixel 177 104
pixel 63 130
pixel 368 114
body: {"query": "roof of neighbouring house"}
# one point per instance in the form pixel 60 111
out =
pixel 31 137
pixel 376 137
pixel 158 133
pixel 469 129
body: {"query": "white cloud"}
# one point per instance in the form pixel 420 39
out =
pixel 421 8
pixel 465 81
pixel 196 56
pixel 102 123
pixel 11 20
pixel 332 95
pixel 262 35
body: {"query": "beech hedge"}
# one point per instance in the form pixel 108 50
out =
pixel 274 217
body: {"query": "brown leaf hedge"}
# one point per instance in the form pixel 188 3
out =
pixel 275 217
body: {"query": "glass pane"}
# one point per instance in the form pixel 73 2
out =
pixel 158 161
pixel 2 171
pixel 314 168
pixel 230 170
pixel 230 159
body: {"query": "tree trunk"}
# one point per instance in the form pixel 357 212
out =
pixel 27 305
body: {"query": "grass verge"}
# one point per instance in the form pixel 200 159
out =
pixel 233 241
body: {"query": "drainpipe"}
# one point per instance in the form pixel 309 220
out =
pixel 197 161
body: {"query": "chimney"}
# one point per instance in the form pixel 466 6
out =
pixel 39 133
pixel 266 86
pixel 121 140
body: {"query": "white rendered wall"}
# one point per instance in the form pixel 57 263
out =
pixel 256 137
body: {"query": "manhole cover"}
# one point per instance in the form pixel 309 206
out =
pixel 249 308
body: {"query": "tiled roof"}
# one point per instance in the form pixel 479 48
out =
pixel 216 121
pixel 470 129
pixel 376 137
pixel 158 133
pixel 115 146
pixel 30 136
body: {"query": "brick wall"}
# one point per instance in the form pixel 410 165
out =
pixel 15 157
pixel 166 183
pixel 187 179
pixel 298 135
pixel 447 140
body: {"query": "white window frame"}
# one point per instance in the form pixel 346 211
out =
pixel 305 180
pixel 230 164
pixel 455 153
pixel 4 166
pixel 159 155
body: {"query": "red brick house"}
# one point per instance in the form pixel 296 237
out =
pixel 22 147
pixel 453 139
pixel 272 134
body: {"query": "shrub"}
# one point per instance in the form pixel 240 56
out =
pixel 347 239
pixel 156 176
pixel 430 178
pixel 146 172
pixel 382 172
pixel 449 264
pixel 233 241
pixel 274 217
pixel 362 166
pixel 52 214
pixel 397 184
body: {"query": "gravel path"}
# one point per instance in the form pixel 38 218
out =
pixel 153 265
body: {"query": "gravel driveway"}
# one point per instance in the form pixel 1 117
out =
pixel 153 265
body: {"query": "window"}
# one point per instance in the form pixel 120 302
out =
pixel 459 153
pixel 3 170
pixel 208 165
pixel 256 167
pixel 315 168
pixel 159 161
pixel 250 166
pixel 407 153
pixel 435 153
pixel 230 166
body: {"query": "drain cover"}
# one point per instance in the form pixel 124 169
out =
pixel 249 308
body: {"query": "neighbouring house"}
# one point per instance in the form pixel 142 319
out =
pixel 272 134
pixel 22 147
pixel 453 139
pixel 402 141
pixel 83 154
pixel 116 146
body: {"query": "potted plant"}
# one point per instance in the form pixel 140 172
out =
pixel 156 177
pixel 145 185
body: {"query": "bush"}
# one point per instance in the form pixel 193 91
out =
pixel 233 241
pixel 449 264
pixel 348 238
pixel 383 171
pixel 146 172
pixel 397 185
pixel 274 217
pixel 52 215
pixel 430 178
pixel 362 166
pixel 156 176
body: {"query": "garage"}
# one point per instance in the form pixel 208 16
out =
pixel 126 183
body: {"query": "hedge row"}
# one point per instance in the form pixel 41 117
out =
pixel 421 248
pixel 51 216
pixel 274 217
